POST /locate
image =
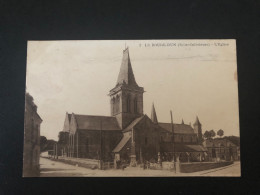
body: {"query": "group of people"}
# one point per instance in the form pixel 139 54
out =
pixel 146 165
pixel 120 164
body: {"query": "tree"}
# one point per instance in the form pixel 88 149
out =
pixel 233 139
pixel 220 133
pixel 63 137
pixel 43 141
pixel 212 133
pixel 46 144
pixel 206 134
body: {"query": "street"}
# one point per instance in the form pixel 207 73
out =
pixel 50 168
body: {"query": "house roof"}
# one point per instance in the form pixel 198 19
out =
pixel 178 128
pixel 168 147
pixel 126 137
pixel 90 122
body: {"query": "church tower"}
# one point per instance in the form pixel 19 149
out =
pixel 126 98
pixel 197 129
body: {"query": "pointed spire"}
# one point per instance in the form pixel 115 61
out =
pixel 126 75
pixel 197 122
pixel 182 122
pixel 153 115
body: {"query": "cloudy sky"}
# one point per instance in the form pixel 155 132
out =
pixel 76 76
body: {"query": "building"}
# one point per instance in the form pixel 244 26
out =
pixel 31 154
pixel 128 134
pixel 222 149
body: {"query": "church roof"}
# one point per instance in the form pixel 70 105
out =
pixel 69 116
pixel 126 75
pixel 126 137
pixel 90 122
pixel 218 143
pixel 153 115
pixel 178 128
pixel 136 121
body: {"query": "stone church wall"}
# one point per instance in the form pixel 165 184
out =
pixel 90 143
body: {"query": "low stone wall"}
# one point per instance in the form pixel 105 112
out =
pixel 167 165
pixel 201 166
pixel 87 163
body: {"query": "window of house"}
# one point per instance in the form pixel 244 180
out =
pixel 36 133
pixel 32 129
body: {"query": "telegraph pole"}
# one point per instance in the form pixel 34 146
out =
pixel 173 148
pixel 100 155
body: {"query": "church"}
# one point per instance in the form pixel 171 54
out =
pixel 128 134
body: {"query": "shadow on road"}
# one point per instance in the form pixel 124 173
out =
pixel 54 169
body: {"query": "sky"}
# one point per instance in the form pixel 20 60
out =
pixel 190 77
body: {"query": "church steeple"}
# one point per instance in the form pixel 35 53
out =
pixel 153 115
pixel 197 122
pixel 126 75
pixel 126 98
pixel 198 130
pixel 182 122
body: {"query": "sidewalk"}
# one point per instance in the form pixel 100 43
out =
pixel 50 168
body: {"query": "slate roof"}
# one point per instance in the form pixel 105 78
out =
pixel 126 137
pixel 167 147
pixel 129 127
pixel 178 128
pixel 126 75
pixel 90 122
pixel 218 143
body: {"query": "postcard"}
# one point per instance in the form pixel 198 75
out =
pixel 131 108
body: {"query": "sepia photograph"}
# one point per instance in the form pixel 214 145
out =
pixel 131 108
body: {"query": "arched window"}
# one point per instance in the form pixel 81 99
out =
pixel 117 104
pixel 128 103
pixel 135 105
pixel 145 140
